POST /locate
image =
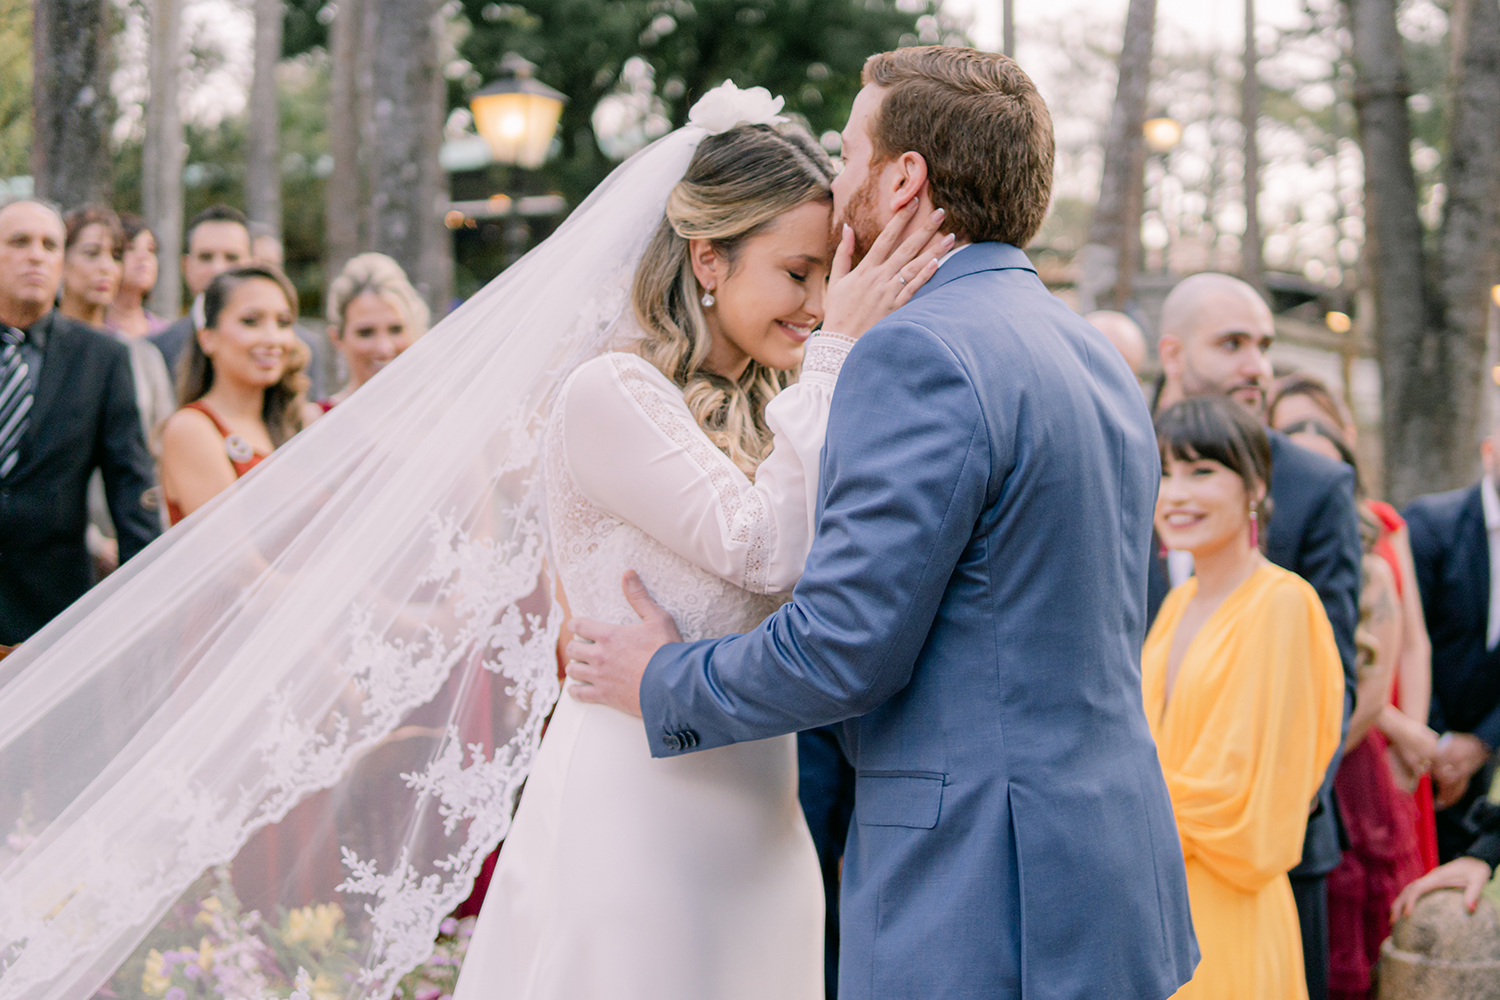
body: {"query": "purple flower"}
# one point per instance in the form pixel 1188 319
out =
pixel 431 993
pixel 192 971
pixel 175 993
pixel 448 926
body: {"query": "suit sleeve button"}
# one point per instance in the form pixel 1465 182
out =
pixel 672 741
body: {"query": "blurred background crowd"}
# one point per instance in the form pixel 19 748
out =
pixel 223 217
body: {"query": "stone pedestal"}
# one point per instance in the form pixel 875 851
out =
pixel 1442 952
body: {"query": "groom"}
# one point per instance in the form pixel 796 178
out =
pixel 973 606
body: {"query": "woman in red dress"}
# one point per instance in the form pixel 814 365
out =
pixel 241 384
pixel 1383 790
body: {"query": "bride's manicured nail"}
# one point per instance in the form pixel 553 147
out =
pixel 938 215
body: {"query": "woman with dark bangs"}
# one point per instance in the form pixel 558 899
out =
pixel 1243 690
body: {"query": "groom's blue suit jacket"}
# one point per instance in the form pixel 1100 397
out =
pixel 973 610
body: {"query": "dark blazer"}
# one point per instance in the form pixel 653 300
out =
pixel 972 611
pixel 1451 549
pixel 83 417
pixel 1314 532
pixel 171 340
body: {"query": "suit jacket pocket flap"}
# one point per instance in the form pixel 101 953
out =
pixel 898 798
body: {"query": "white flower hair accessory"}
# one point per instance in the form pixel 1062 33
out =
pixel 726 106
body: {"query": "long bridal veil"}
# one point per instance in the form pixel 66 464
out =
pixel 269 755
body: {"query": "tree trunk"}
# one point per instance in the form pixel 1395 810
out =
pixel 1471 223
pixel 70 154
pixel 161 173
pixel 344 186
pixel 1252 266
pixel 1008 27
pixel 263 162
pixel 404 174
pixel 1110 261
pixel 1430 323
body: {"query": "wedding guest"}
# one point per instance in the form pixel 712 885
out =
pixel 1243 690
pixel 92 273
pixel 218 239
pixel 92 276
pixel 1215 332
pixel 242 385
pixel 128 313
pixel 1303 401
pixel 1380 820
pixel 1455 539
pixel 67 407
pixel 374 314
pixel 266 248
pixel 1124 333
pixel 92 252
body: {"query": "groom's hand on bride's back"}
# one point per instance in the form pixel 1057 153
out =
pixel 608 661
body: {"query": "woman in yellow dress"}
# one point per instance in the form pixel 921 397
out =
pixel 1244 693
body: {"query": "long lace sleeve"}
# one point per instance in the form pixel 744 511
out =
pixel 633 449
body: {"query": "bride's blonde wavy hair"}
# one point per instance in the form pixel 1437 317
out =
pixel 738 183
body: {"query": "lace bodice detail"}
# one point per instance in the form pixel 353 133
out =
pixel 634 483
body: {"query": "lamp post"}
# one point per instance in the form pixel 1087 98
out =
pixel 1161 136
pixel 518 117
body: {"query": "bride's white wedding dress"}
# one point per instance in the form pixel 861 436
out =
pixel 624 876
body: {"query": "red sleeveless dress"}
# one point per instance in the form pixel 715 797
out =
pixel 1388 830
pixel 241 455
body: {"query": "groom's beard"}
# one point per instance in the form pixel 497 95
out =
pixel 859 215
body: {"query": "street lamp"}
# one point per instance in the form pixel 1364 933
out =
pixel 1162 134
pixel 518 117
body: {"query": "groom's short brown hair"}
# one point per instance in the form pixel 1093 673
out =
pixel 983 129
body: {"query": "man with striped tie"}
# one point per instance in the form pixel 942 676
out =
pixel 67 407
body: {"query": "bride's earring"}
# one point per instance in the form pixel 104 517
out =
pixel 708 299
pixel 1254 529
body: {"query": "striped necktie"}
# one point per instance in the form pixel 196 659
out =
pixel 15 397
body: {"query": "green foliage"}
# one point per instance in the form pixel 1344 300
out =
pixel 810 51
pixel 305 26
pixel 15 88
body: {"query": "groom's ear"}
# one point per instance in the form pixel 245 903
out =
pixel 909 179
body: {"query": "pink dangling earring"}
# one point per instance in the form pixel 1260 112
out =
pixel 1254 529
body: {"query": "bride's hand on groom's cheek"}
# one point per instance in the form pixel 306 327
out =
pixel 608 661
pixel 898 263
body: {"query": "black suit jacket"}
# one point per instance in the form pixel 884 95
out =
pixel 171 340
pixel 1451 549
pixel 83 417
pixel 1314 532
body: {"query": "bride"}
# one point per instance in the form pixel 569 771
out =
pixel 345 662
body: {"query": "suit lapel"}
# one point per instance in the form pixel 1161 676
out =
pixel 56 358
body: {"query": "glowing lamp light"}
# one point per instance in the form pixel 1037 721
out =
pixel 1162 134
pixel 1338 322
pixel 517 115
pixel 1495 294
